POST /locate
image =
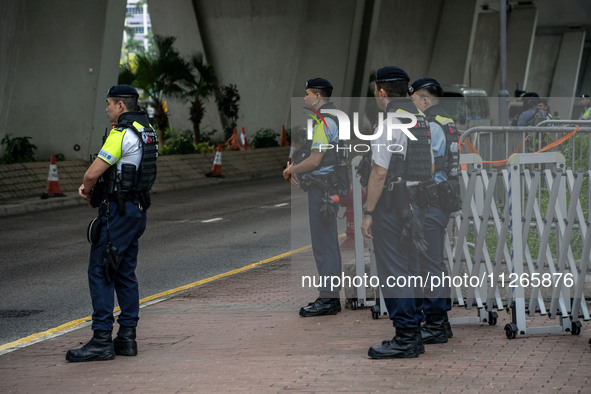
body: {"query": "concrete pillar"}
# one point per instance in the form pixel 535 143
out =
pixel 107 66
pixel 179 18
pixel 564 82
pixel 453 42
pixel 64 65
pixel 521 27
pixel 543 64
pixel 405 35
pixel 485 53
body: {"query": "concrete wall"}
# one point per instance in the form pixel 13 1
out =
pixel 29 180
pixel 60 57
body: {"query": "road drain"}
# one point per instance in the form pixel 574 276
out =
pixel 18 313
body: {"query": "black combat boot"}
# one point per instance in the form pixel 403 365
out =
pixel 125 344
pixel 403 345
pixel 433 330
pixel 322 306
pixel 99 348
pixel 420 344
pixel 448 330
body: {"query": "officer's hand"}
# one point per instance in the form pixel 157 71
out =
pixel 85 196
pixel 287 173
pixel 366 226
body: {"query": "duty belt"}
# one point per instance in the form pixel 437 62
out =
pixel 123 196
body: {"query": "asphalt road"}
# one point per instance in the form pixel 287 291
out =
pixel 191 235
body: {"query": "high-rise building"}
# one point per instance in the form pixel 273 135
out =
pixel 138 28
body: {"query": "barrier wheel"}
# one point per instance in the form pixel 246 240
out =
pixel 511 330
pixel 576 328
pixel 492 318
pixel 354 304
pixel 375 312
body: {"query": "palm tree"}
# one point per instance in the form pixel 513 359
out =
pixel 200 86
pixel 160 74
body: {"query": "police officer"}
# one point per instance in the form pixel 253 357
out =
pixel 425 94
pixel 393 211
pixel 118 183
pixel 531 115
pixel 313 168
pixel 585 101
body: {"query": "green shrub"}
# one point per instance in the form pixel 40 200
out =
pixel 203 147
pixel 177 143
pixel 181 145
pixel 18 150
pixel 265 138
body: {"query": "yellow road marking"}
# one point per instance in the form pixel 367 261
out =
pixel 70 325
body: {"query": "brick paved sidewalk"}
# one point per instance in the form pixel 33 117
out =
pixel 243 333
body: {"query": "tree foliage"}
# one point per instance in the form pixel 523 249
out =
pixel 159 74
pixel 200 85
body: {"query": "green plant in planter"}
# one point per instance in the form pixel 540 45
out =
pixel 265 138
pixel 18 150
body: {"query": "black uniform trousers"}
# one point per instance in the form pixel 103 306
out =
pixel 325 242
pixel 397 266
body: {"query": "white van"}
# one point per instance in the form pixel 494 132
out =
pixel 467 106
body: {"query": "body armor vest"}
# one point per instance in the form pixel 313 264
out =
pixel 417 164
pixel 143 177
pixel 449 162
pixel 330 157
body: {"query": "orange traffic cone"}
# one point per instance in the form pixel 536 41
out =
pixel 243 140
pixel 234 139
pixel 283 140
pixel 53 186
pixel 216 169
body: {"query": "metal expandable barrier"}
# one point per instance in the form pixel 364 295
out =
pixel 522 233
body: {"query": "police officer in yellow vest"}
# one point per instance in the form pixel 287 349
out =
pixel 118 183
pixel 426 94
pixel 314 166
pixel 585 101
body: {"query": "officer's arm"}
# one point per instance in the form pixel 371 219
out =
pixel 374 191
pixel 307 165
pixel 96 169
pixel 375 186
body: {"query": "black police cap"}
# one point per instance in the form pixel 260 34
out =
pixel 319 83
pixel 585 95
pixel 391 73
pixel 122 91
pixel 421 84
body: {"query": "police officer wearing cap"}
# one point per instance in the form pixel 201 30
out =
pixel 313 166
pixel 425 94
pixel 118 183
pixel 585 101
pixel 393 212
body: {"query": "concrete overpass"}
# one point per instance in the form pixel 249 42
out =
pixel 59 57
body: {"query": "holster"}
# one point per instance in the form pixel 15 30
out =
pixel 325 182
pixel 399 198
pixel 428 193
